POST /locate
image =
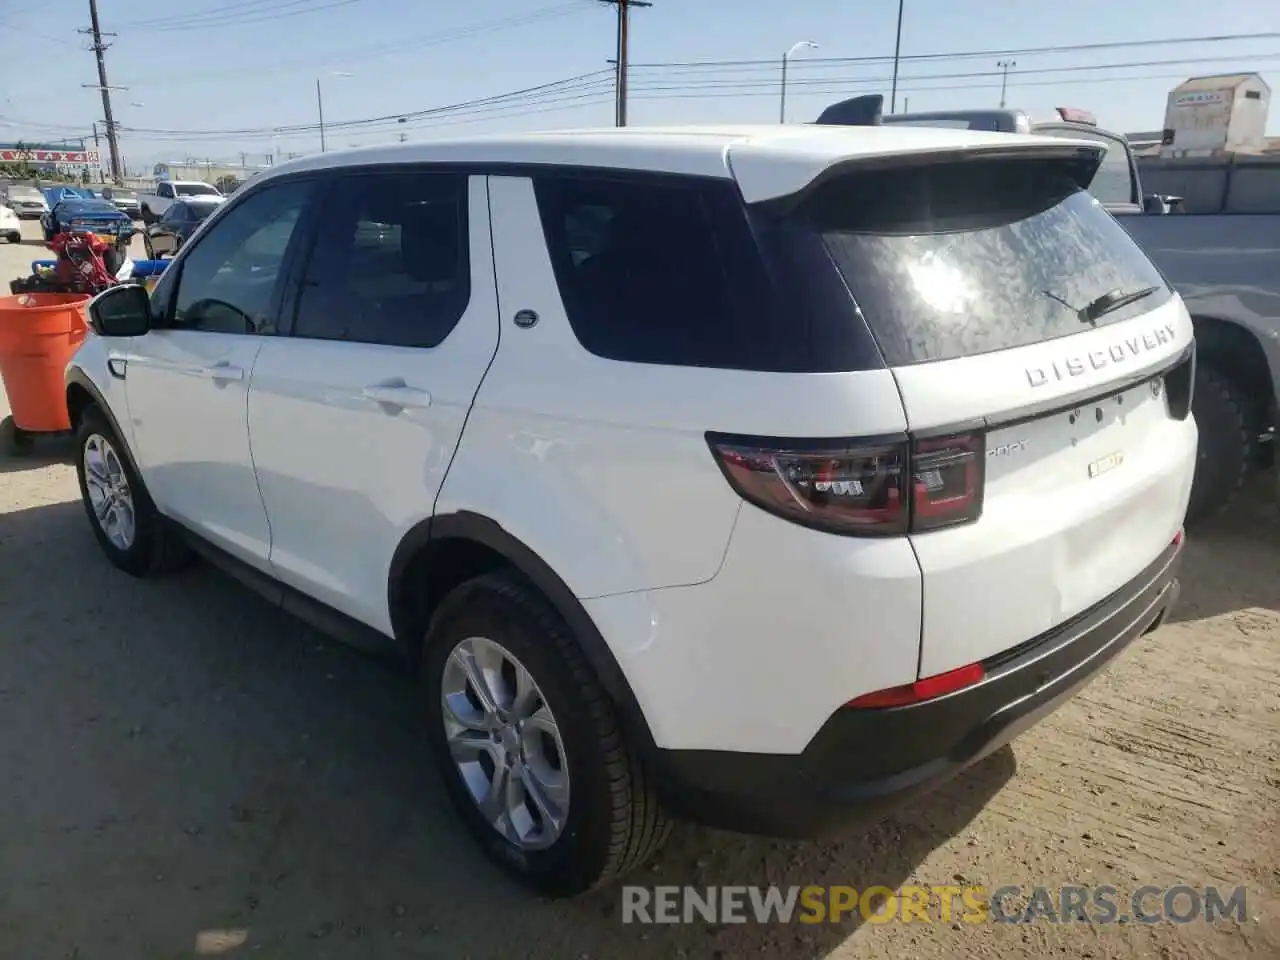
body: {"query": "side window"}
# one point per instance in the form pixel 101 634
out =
pixel 227 281
pixel 391 265
pixel 176 213
pixel 660 272
pixel 164 190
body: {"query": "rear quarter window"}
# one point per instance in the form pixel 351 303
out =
pixel 666 270
pixel 970 257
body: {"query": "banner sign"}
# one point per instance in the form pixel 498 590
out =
pixel 48 156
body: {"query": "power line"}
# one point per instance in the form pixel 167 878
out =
pixel 233 9
pixel 590 84
pixel 378 50
pixel 973 54
pixel 220 20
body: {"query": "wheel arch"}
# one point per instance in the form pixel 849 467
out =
pixel 1237 353
pixel 81 394
pixel 450 548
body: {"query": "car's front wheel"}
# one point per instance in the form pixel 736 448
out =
pixel 529 743
pixel 125 522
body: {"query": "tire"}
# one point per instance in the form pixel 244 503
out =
pixel 1225 452
pixel 14 441
pixel 154 547
pixel 614 821
pixel 15 237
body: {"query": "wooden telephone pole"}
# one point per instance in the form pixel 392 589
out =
pixel 99 48
pixel 620 84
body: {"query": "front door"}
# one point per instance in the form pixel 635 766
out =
pixel 187 380
pixel 355 417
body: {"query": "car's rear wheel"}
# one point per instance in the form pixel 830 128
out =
pixel 1226 445
pixel 529 744
pixel 126 524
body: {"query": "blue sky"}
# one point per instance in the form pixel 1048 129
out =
pixel 253 66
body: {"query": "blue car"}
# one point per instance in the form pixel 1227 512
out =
pixel 69 210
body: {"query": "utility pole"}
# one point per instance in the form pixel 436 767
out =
pixel 320 107
pixel 1004 66
pixel 897 50
pixel 624 9
pixel 99 48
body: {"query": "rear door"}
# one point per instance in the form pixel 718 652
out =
pixel 1014 311
pixel 354 418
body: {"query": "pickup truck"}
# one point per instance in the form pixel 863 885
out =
pixel 1223 266
pixel 157 200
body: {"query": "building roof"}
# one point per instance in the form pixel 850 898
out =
pixel 766 161
pixel 1217 82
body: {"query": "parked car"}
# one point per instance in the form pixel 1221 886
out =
pixel 761 476
pixel 10 226
pixel 1221 264
pixel 27 202
pixel 156 201
pixel 166 235
pixel 78 213
pixel 125 200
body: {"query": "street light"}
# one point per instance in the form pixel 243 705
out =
pixel 782 107
pixel 1004 66
pixel 320 104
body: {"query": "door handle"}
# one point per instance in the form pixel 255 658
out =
pixel 222 371
pixel 397 395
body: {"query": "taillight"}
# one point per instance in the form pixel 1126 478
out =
pixel 947 476
pixel 859 487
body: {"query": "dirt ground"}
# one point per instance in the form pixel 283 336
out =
pixel 188 772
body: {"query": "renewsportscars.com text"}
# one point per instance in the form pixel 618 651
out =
pixel 971 904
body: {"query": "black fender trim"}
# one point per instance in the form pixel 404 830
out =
pixel 77 377
pixel 466 525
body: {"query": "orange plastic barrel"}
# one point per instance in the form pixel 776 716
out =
pixel 38 334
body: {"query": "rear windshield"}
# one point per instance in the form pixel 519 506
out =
pixel 957 259
pixel 195 190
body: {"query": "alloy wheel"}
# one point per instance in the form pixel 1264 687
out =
pixel 109 492
pixel 505 743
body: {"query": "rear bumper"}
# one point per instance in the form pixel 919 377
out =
pixel 862 763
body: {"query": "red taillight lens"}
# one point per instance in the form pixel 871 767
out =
pixel 872 487
pixel 926 689
pixel 946 481
pixel 849 489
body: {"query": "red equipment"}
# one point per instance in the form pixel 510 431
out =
pixel 82 262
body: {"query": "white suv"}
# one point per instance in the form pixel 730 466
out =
pixel 764 477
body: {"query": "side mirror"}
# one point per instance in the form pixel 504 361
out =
pixel 121 311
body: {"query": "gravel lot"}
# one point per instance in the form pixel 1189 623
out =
pixel 190 772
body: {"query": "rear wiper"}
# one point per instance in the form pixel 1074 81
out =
pixel 1111 300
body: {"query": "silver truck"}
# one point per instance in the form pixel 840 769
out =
pixel 1223 265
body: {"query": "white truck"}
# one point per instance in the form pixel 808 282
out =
pixel 158 199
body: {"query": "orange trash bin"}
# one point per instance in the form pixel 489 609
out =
pixel 39 332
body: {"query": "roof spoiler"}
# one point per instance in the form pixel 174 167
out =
pixel 864 111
